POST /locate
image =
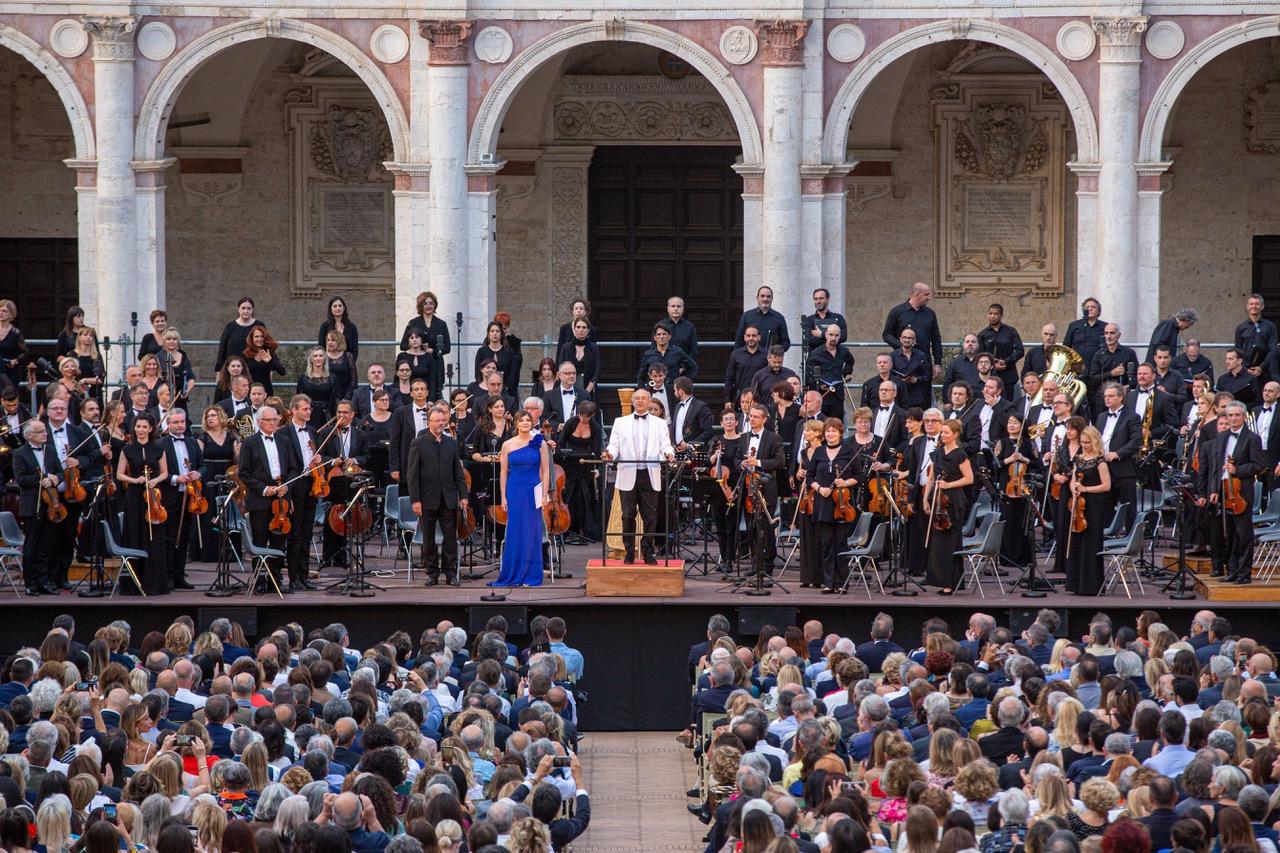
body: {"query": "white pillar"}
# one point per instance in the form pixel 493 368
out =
pixel 149 183
pixel 1119 111
pixel 782 48
pixel 448 262
pixel 86 223
pixel 834 198
pixel 1152 184
pixel 1086 229
pixel 115 220
pixel 752 225
pixel 482 225
pixel 412 193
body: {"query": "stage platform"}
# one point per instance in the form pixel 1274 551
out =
pixel 637 646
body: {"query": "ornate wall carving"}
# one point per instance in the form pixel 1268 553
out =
pixel 568 232
pixel 1000 147
pixel 343 228
pixel 1262 118
pixel 641 109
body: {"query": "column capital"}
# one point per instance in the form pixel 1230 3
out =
pixel 112 36
pixel 447 40
pixel 1120 37
pixel 781 42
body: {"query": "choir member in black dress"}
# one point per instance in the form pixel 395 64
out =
pixel 378 436
pixel 235 335
pixel 35 465
pixel 217 451
pixel 435 335
pixel 318 384
pixel 579 309
pixel 581 438
pixel 13 346
pixel 235 366
pixel 70 331
pixel 338 319
pixel 186 467
pixel 151 343
pixel 342 366
pixel 421 363
pixel 508 362
pixel 461 419
pixel 581 351
pixel 402 384
pixel 260 356
pixel 142 465
pixel 677 361
pixel 950 474
pixel 176 367
pixel 115 434
pixel 913 421
pixel 69 379
pixel 1016 457
pixel 1090 482
pixel 545 381
pixel 1062 463
pixel 92 372
pixel 784 415
pixel 810 552
pixel 828 470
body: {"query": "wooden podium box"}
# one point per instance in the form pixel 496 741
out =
pixel 615 578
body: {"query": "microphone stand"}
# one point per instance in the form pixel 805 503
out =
pixel 457 351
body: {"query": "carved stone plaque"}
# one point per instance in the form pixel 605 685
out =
pixel 354 217
pixel 1262 118
pixel 1001 153
pixel 640 109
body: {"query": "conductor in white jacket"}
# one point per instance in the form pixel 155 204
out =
pixel 641 440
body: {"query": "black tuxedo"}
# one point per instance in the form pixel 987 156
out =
pixel 358 443
pixel 1126 437
pixel 555 407
pixel 364 402
pixel 38 529
pixel 997 426
pixel 697 426
pixel 232 408
pixel 177 529
pixel 773 464
pixel 301 439
pixel 913 553
pixel 86 452
pixel 255 471
pixel 435 480
pixel 1272 452
pixel 1250 462
pixel 895 429
pixel 1164 414
pixel 405 426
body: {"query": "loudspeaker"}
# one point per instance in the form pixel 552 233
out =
pixel 246 616
pixel 517 618
pixel 752 619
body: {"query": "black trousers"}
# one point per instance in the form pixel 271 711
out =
pixel 299 542
pixel 645 499
pixel 1124 490
pixel 259 525
pixel 447 517
pixel 1239 543
pixel 177 533
pixel 725 519
pixel 830 538
pixel 62 544
pixel 35 550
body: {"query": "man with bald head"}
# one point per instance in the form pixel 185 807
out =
pixel 188 681
pixel 1261 668
pixel 179 711
pixel 355 816
pixel 344 739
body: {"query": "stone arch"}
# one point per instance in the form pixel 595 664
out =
pixel 164 92
pixel 488 121
pixel 1151 143
pixel 835 138
pixel 60 79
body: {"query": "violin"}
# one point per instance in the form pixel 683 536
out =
pixel 1055 488
pixel 319 483
pixel 156 513
pixel 844 511
pixel 1017 487
pixel 879 502
pixel 721 473
pixel 238 488
pixel 941 519
pixel 555 512
pixel 76 492
pixel 1232 500
pixel 467 520
pixel 55 510
pixel 1078 521
pixel 902 491
pixel 280 511
pixel 805 504
pixel 197 503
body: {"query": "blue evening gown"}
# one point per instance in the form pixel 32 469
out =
pixel 522 551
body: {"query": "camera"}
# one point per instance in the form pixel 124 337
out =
pixel 562 761
pixel 109 812
pixel 183 741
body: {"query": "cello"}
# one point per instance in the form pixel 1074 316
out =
pixel 555 512
pixel 467 520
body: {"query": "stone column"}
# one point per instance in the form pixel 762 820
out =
pixel 482 249
pixel 412 193
pixel 834 199
pixel 448 265
pixel 782 50
pixel 115 220
pixel 752 223
pixel 1086 230
pixel 149 183
pixel 566 169
pixel 86 223
pixel 1152 183
pixel 1119 110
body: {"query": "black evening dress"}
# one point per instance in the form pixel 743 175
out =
pixel 217 458
pixel 580 490
pixel 944 569
pixel 1084 561
pixel 154 571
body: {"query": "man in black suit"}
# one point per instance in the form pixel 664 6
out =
pixel 884 373
pixel 1164 413
pixel 186 466
pixel 830 369
pixel 562 400
pixel 344 445
pixel 267 461
pixel 690 417
pixel 35 465
pixel 711 700
pixel 915 462
pixel 991 414
pixel 305 446
pixel 1266 420
pixel 139 402
pixel 888 419
pixel 1008 739
pixel 238 403
pixel 406 422
pixel 911 368
pixel 363 397
pixel 438 490
pixel 73 448
pixel 1121 433
pixel 1235 453
pixel 760 450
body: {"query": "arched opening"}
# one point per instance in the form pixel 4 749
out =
pixel 619 186
pixel 962 181
pixel 279 191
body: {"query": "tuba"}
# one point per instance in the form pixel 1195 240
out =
pixel 624 398
pixel 1063 365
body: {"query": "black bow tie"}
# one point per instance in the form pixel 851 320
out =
pixel 755 435
pixel 1113 414
pixel 641 417
pixel 884 408
pixel 1266 409
pixel 59 429
pixel 268 438
pixel 568 392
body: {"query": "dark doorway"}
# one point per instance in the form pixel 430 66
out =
pixel 664 221
pixel 42 277
pixel 1266 273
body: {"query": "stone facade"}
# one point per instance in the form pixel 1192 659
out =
pixel 831 112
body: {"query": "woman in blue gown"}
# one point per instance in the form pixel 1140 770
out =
pixel 525 465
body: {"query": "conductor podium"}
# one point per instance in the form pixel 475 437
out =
pixel 607 578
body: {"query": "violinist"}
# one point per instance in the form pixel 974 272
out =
pixel 74 449
pixel 345 446
pixel 581 438
pixel 266 460
pixel 483 448
pixel 438 489
pixel 810 553
pixel 1016 462
pixel 217 454
pixel 759 451
pixel 915 469
pixel 35 466
pixel 69 379
pixel 1090 481
pixel 1062 464
pixel 304 443
pixel 724 512
pixel 829 470
pixel 950 473
pixel 185 465
pixel 461 420
pixel 1229 465
pixel 142 467
pixel 92 373
pixel 914 423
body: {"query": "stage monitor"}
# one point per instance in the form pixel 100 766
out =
pixel 517 618
pixel 752 619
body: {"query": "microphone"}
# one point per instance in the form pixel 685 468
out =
pixel 458 319
pixel 448 372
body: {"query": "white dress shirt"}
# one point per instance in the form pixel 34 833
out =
pixel 1263 422
pixel 883 413
pixel 1232 438
pixel 273 455
pixel 1140 401
pixel 184 463
pixel 988 411
pixel 930 444
pixel 682 409
pixel 1108 428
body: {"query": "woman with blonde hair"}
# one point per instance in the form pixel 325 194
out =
pixel 210 822
pixel 177 641
pixel 1064 734
pixel 1052 797
pixel 53 823
pixel 965 752
pixel 921 830
pixel 254 758
pixel 975 787
pixel 135 722
pixel 1055 657
pixel 448 835
pixel 1138 804
pixel 1099 797
pixel 942 767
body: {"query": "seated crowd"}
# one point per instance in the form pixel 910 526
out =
pixel 203 743
pixel 1132 740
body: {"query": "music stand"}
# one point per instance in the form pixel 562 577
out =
pixel 224 583
pixel 99 583
pixel 356 584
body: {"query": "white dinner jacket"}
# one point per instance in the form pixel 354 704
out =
pixel 630 440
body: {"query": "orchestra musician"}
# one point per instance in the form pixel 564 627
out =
pixel 36 466
pixel 830 367
pixel 142 466
pixel 483 448
pixel 304 444
pixel 871 388
pixel 1017 463
pixel 887 416
pixel 562 400
pixel 1035 361
pixel 1121 434
pixel 725 506
pixel 949 473
pixel 363 396
pixel 916 468
pixel 347 449
pixel 438 489
pixel 582 438
pixel 640 441
pixel 759 451
pixel 1228 466
pixel 691 418
pixel 185 466
pixel 73 448
pixel 828 471
pixel 1063 463
pixel 1266 420
pixel 811 439
pixel 406 423
pixel 1090 479
pixel 266 462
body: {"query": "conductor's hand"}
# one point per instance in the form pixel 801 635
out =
pixel 417 508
